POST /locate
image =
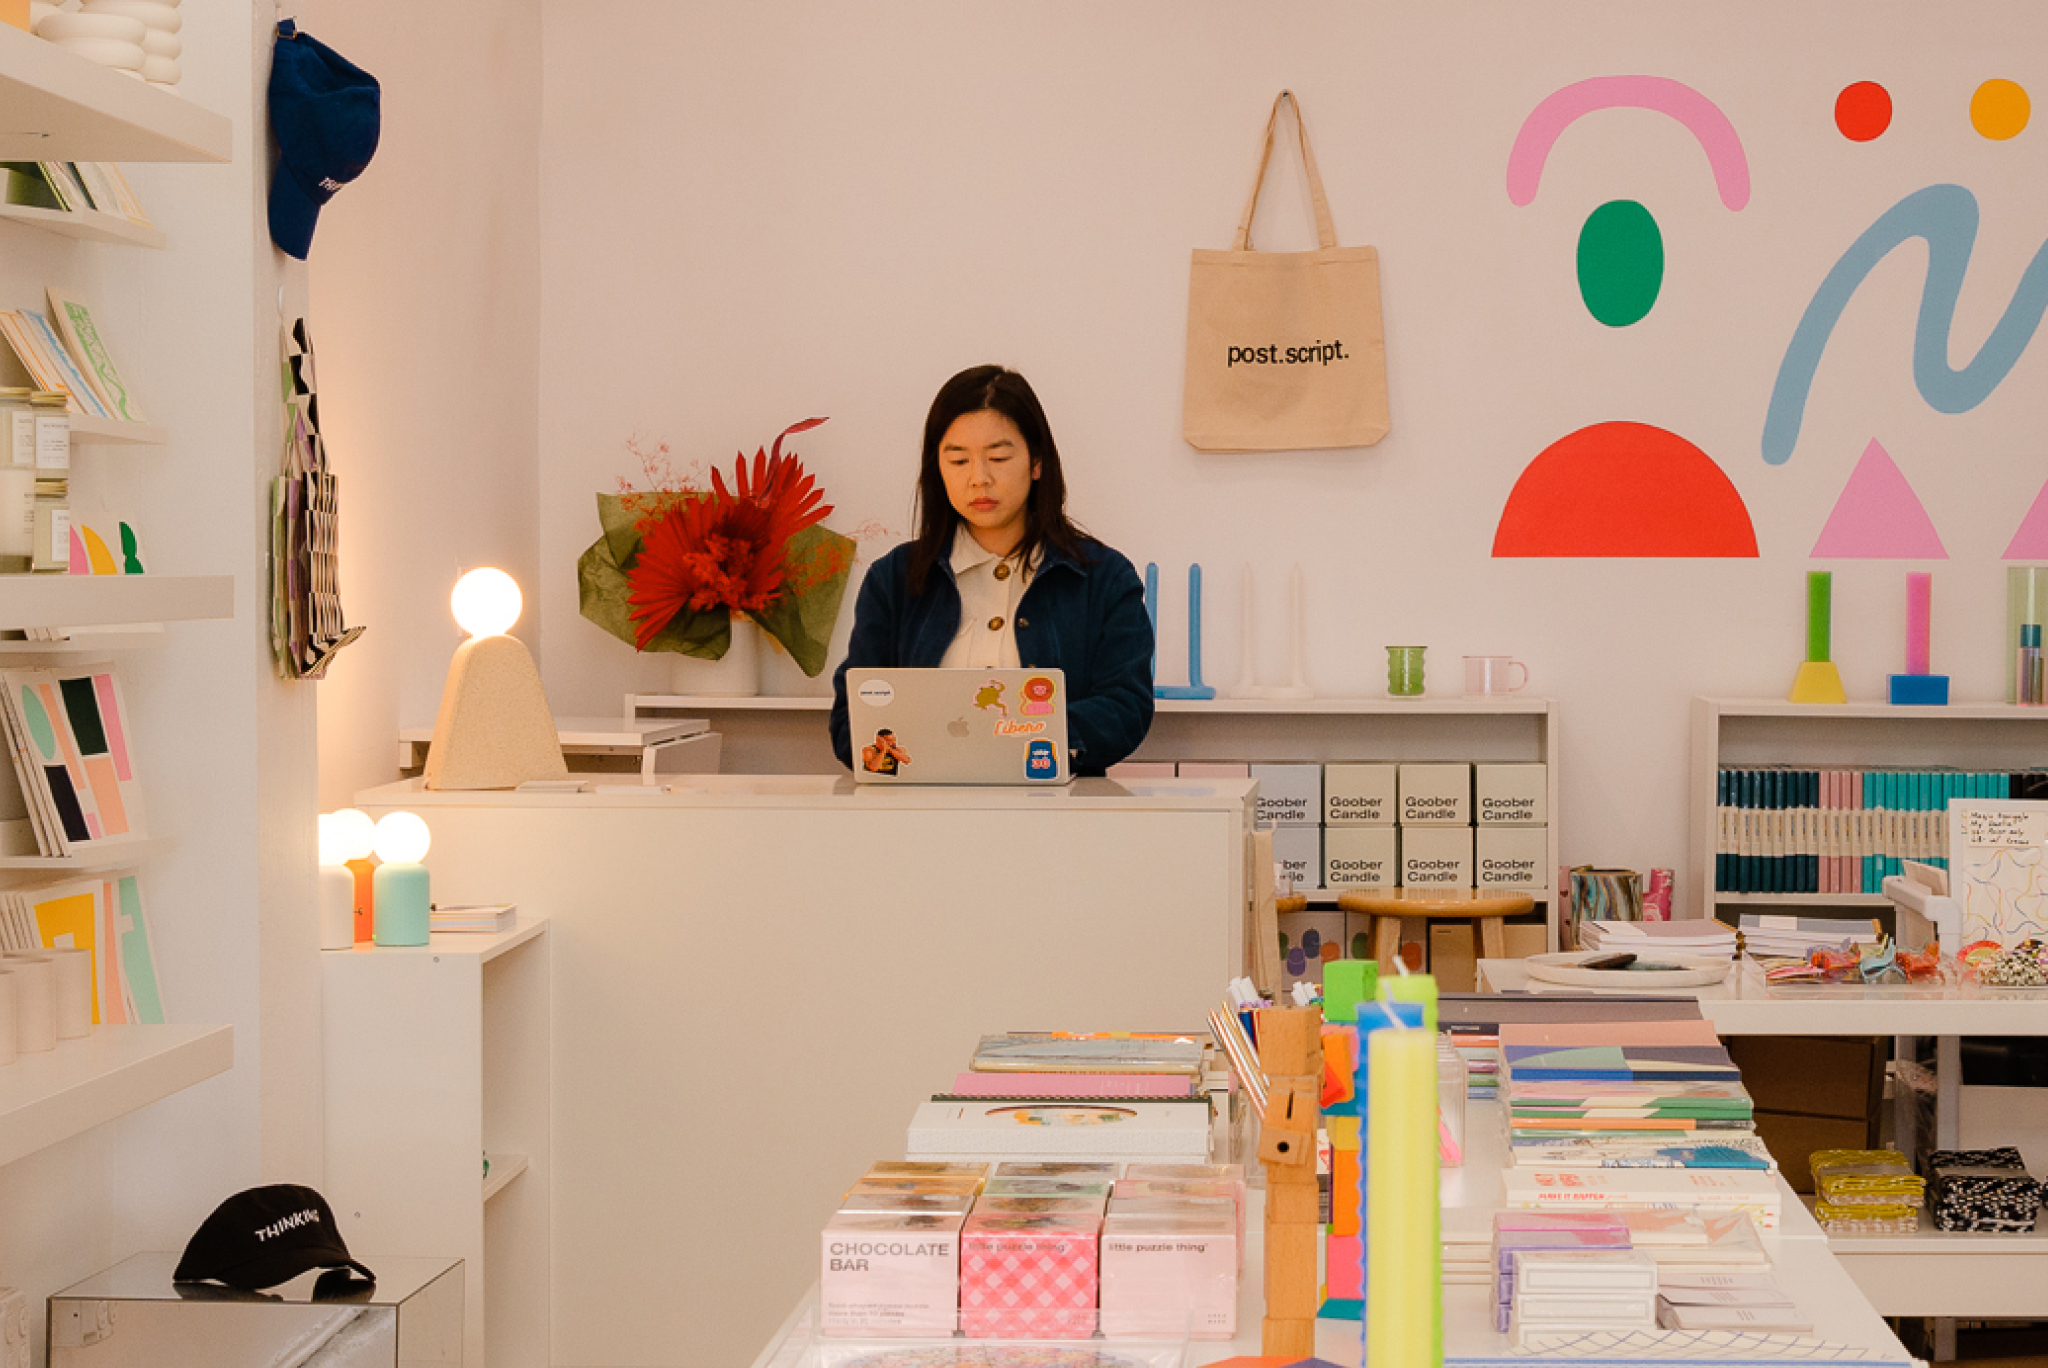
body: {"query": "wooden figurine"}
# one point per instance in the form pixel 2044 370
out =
pixel 1290 1055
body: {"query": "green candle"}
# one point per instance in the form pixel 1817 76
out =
pixel 1412 988
pixel 1819 597
pixel 1404 1250
pixel 1346 983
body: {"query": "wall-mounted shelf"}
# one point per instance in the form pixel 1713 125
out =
pixel 88 431
pixel 118 855
pixel 1511 705
pixel 56 1094
pixel 88 225
pixel 91 600
pixel 636 703
pixel 58 103
pixel 504 1168
pixel 81 646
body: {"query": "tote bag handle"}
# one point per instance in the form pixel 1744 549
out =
pixel 1326 232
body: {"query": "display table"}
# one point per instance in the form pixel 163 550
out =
pixel 1803 1265
pixel 758 978
pixel 1925 1274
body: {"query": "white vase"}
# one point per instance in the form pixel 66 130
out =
pixel 736 674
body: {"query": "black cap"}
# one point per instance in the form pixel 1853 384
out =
pixel 324 113
pixel 265 1236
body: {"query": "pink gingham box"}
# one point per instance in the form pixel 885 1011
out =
pixel 1029 1276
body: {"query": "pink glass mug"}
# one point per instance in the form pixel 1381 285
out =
pixel 1488 675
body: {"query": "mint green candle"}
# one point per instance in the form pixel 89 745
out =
pixel 1819 609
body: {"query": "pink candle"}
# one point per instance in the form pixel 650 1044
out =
pixel 1919 609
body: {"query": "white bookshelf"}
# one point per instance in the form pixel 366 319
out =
pixel 61 106
pixel 99 600
pixel 1771 731
pixel 56 1094
pixel 87 225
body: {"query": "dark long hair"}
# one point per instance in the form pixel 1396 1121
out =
pixel 1045 513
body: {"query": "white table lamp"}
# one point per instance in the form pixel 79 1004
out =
pixel 404 896
pixel 338 845
pixel 494 730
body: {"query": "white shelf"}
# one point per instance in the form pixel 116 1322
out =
pixel 90 431
pixel 486 946
pixel 1928 1240
pixel 80 646
pixel 114 856
pixel 1778 707
pixel 89 600
pixel 1803 899
pixel 88 225
pixel 504 1168
pixel 715 703
pixel 1512 705
pixel 54 1095
pixel 59 105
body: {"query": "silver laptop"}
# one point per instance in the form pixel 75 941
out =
pixel 958 726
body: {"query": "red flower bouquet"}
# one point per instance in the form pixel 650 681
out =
pixel 676 563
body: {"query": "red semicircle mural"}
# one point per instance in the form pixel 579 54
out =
pixel 1624 489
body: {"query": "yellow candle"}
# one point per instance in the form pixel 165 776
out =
pixel 1403 1250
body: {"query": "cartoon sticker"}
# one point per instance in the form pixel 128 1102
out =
pixel 1038 692
pixel 989 698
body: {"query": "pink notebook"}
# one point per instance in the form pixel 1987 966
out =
pixel 1070 1085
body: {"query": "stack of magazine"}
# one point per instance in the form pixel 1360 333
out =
pixel 101 912
pixel 69 733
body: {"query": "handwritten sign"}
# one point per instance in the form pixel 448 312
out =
pixel 1982 829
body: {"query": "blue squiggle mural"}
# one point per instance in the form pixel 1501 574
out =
pixel 1946 216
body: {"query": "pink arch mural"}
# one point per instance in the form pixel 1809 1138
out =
pixel 1548 121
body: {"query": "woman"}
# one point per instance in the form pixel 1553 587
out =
pixel 999 578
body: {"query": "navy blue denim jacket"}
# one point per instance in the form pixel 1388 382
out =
pixel 1084 617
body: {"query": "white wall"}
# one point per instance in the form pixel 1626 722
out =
pixel 425 298
pixel 226 751
pixel 756 214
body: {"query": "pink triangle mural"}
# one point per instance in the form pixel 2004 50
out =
pixel 2031 541
pixel 1878 517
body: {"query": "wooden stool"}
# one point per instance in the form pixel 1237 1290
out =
pixel 1484 910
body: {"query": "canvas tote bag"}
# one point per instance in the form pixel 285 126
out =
pixel 1285 350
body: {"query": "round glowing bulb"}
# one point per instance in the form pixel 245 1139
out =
pixel 347 835
pixel 486 602
pixel 402 838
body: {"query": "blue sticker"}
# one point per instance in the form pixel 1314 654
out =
pixel 1041 760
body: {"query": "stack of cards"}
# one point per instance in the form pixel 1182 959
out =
pixel 1581 1290
pixel 1726 1300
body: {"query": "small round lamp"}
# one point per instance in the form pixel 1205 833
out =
pixel 404 898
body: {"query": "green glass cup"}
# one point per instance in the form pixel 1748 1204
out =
pixel 1404 671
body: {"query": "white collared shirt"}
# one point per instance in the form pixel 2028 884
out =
pixel 990 587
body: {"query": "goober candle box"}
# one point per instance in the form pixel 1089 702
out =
pixel 1289 795
pixel 1360 857
pixel 1358 794
pixel 1511 795
pixel 1511 857
pixel 1436 795
pixel 1029 1277
pixel 1436 857
pixel 890 1274
pixel 1165 1273
pixel 1298 850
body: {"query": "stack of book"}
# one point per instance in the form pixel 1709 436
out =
pixel 1788 829
pixel 1764 937
pixel 480 917
pixel 1693 936
pixel 1631 1115
pixel 1748 1299
pixel 1479 1047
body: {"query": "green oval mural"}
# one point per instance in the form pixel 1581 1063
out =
pixel 1621 262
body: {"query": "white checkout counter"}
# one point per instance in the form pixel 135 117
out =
pixel 757 978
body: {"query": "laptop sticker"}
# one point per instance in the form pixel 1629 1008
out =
pixel 1038 692
pixel 1041 760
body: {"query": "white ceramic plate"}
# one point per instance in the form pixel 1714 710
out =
pixel 1693 971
